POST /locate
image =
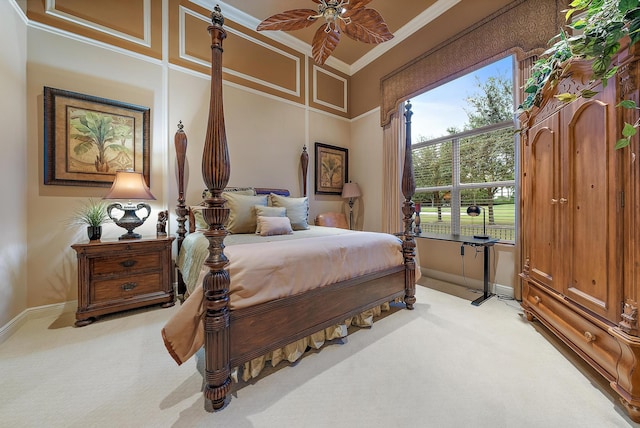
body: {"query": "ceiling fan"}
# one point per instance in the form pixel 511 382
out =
pixel 342 16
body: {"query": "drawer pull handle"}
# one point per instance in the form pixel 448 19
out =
pixel 589 336
pixel 128 286
pixel 554 201
pixel 563 200
pixel 537 299
pixel 128 263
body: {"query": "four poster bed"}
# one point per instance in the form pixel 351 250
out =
pixel 245 307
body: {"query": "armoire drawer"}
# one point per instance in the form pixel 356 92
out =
pixel 579 329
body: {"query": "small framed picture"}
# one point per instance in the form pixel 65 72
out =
pixel 332 168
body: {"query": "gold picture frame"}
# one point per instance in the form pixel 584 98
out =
pixel 87 139
pixel 332 169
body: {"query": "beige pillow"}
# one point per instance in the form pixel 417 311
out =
pixel 242 214
pixel 297 210
pixel 240 190
pixel 269 212
pixel 197 215
pixel 274 226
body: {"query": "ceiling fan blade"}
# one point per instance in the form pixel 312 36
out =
pixel 353 6
pixel 366 26
pixel 324 43
pixel 289 20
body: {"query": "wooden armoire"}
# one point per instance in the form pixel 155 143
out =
pixel 580 212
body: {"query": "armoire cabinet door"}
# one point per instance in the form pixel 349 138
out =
pixel 588 205
pixel 542 184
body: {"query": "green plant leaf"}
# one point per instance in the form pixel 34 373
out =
pixel 624 142
pixel 627 104
pixel 579 25
pixel 566 97
pixel 612 72
pixel 629 130
pixel 587 93
pixel 626 5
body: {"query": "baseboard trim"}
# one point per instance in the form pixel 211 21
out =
pixel 472 283
pixel 34 313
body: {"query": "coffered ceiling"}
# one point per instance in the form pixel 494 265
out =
pixel 404 17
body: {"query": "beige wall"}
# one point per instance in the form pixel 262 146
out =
pixel 366 169
pixel 442 260
pixel 335 131
pixel 13 162
pixel 64 63
pixel 265 135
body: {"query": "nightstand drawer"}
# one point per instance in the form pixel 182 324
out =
pixel 122 288
pixel 126 263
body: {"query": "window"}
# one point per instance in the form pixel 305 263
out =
pixel 472 161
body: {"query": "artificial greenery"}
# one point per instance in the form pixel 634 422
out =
pixel 597 27
pixel 92 213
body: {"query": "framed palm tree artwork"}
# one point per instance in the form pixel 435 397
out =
pixel 332 169
pixel 87 139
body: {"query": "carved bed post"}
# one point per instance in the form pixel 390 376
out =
pixel 408 210
pixel 180 141
pixel 215 173
pixel 304 163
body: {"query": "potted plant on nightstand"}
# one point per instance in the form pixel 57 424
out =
pixel 93 214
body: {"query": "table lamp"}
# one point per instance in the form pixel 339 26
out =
pixel 351 191
pixel 129 185
pixel 474 211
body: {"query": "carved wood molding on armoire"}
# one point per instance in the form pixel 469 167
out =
pixel 580 199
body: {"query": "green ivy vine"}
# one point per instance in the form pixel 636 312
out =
pixel 596 33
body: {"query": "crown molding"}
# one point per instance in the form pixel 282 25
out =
pixel 250 22
pixel 430 14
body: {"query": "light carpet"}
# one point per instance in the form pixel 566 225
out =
pixel 445 364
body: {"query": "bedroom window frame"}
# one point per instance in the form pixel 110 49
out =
pixel 456 187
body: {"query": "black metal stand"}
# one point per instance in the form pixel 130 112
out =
pixel 472 241
pixel 486 294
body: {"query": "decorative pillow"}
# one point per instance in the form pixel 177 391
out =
pixel 199 219
pixel 269 212
pixel 297 210
pixel 274 226
pixel 250 191
pixel 242 214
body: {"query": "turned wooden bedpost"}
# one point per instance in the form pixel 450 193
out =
pixel 180 142
pixel 408 210
pixel 215 173
pixel 304 164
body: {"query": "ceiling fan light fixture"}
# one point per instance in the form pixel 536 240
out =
pixel 341 17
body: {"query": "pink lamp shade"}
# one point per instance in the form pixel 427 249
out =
pixel 129 185
pixel 351 190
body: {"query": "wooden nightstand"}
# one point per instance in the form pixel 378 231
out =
pixel 118 275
